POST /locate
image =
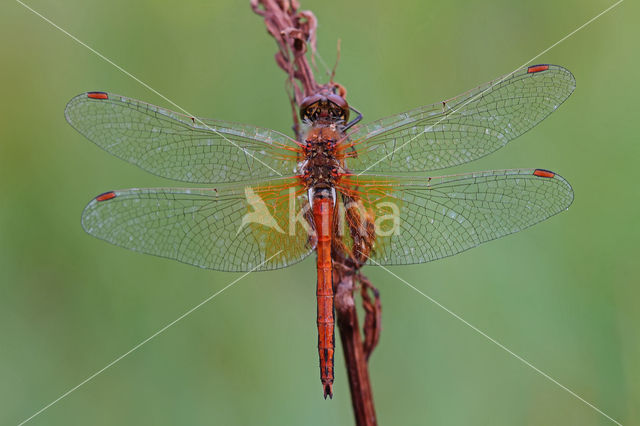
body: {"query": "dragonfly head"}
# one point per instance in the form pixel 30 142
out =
pixel 324 108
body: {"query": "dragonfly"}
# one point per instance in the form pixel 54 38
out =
pixel 354 194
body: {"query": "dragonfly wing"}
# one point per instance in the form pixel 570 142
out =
pixel 176 146
pixel 461 129
pixel 230 228
pixel 422 219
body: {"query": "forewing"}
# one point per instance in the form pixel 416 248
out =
pixel 461 129
pixel 176 146
pixel 230 228
pixel 422 219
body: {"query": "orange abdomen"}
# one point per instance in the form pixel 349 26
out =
pixel 323 220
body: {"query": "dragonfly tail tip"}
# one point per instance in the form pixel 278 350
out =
pixel 328 390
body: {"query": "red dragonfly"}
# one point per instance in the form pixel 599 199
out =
pixel 277 199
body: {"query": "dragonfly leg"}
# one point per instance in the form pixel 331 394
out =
pixel 355 120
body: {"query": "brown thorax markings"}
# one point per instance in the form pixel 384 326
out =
pixel 320 167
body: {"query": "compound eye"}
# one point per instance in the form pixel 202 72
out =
pixel 341 105
pixel 305 105
pixel 311 112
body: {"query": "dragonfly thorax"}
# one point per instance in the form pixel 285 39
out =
pixel 320 167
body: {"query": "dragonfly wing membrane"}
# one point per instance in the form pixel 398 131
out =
pixel 423 219
pixel 231 228
pixel 176 146
pixel 461 129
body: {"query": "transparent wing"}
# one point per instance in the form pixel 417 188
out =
pixel 176 146
pixel 461 129
pixel 422 219
pixel 231 228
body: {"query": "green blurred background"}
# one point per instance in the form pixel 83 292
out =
pixel 563 295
